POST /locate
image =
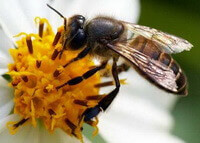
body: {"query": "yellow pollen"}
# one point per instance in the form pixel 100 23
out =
pixel 34 83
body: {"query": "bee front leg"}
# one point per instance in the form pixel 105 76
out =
pixel 81 55
pixel 107 100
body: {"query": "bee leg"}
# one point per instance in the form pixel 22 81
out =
pixel 107 100
pixel 81 55
pixel 123 68
pixel 86 75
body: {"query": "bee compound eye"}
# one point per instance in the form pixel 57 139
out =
pixel 79 40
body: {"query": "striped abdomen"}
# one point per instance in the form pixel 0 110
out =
pixel 155 51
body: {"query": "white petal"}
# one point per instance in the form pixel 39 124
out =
pixel 33 9
pixel 29 134
pixel 4 60
pixel 3 122
pixel 139 109
pixel 3 71
pixel 19 137
pixel 140 87
pixel 41 135
pixel 5 43
pixel 127 10
pixel 6 109
pixel 115 133
pixel 12 18
pixel 57 137
pixel 25 134
pixel 137 113
pixel 6 97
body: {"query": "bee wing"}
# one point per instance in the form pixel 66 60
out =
pixel 156 71
pixel 169 43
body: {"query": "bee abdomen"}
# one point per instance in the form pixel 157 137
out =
pixel 146 47
pixel 152 50
pixel 181 80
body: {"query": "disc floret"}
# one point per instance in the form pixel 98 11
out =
pixel 37 70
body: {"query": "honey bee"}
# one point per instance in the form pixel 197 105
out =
pixel 146 49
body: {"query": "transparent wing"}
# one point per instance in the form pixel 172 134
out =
pixel 154 70
pixel 169 43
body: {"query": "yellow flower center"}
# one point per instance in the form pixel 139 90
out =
pixel 37 71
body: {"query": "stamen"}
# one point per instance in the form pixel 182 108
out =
pixel 15 81
pixel 80 102
pixel 71 125
pixel 41 27
pixel 94 124
pixel 15 68
pixel 29 44
pixel 55 54
pixel 25 78
pixel 108 83
pixel 20 123
pixel 95 97
pixel 58 71
pixel 103 84
pixel 38 63
pixel 55 42
pixel 57 38
pixel 51 112
pixel 13 126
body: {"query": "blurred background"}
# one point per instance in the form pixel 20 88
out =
pixel 181 18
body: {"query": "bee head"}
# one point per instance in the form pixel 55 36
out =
pixel 77 36
pixel 77 32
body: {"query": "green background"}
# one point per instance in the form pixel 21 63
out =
pixel 182 18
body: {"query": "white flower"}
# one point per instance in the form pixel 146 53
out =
pixel 139 114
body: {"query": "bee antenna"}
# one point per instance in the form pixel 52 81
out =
pixel 55 11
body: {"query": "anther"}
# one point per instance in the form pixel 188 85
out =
pixel 95 97
pixel 56 39
pixel 51 112
pixel 56 73
pixel 80 102
pixel 55 54
pixel 70 124
pixel 15 68
pixel 15 83
pixel 108 83
pixel 25 78
pixel 29 44
pixel 41 28
pixel 20 123
pixel 45 90
pixel 104 84
pixel 38 63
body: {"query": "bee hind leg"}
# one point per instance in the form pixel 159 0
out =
pixel 123 68
pixel 120 68
pixel 107 100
